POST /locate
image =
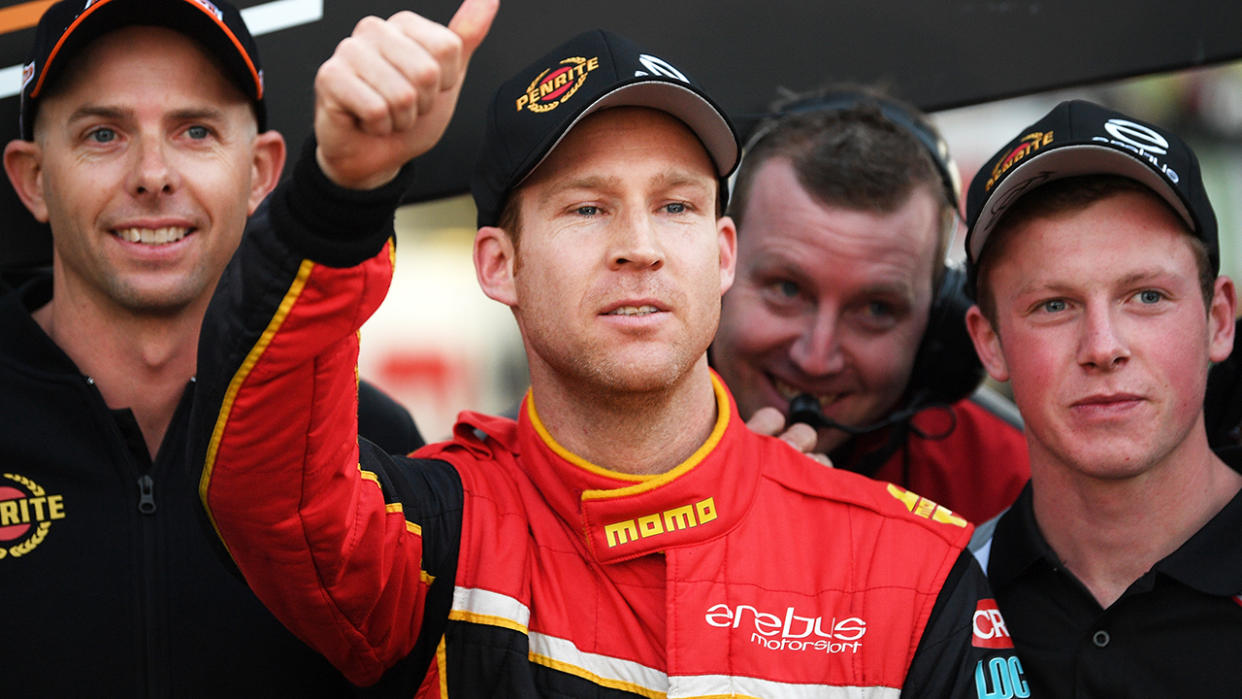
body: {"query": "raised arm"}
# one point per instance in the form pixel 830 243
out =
pixel 346 548
pixel 387 93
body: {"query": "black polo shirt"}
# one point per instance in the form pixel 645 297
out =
pixel 1175 632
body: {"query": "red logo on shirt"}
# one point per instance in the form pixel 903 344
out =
pixel 27 512
pixel 989 626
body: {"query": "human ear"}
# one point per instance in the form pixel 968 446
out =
pixel 726 235
pixel 495 264
pixel 1221 323
pixel 987 344
pixel 266 165
pixel 23 162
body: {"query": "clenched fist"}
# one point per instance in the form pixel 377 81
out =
pixel 387 93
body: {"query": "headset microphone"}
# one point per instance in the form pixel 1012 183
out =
pixel 805 408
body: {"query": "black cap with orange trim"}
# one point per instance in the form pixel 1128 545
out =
pixel 70 25
pixel 533 111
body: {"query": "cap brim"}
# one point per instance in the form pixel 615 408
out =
pixel 1069 161
pixel 700 115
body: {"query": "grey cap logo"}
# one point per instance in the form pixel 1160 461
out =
pixel 1140 136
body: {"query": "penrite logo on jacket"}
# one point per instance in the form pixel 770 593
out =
pixel 26 514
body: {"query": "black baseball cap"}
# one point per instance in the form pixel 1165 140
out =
pixel 595 70
pixel 1082 138
pixel 70 25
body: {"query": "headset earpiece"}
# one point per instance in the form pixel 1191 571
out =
pixel 946 368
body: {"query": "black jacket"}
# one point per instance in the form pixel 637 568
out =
pixel 113 583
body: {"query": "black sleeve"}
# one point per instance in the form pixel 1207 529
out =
pixel 273 432
pixel 329 224
pixel 433 489
pixel 384 421
pixel 966 651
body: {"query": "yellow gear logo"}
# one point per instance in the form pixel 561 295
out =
pixel 555 85
pixel 925 508
pixel 26 514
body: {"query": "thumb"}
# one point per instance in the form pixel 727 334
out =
pixel 472 21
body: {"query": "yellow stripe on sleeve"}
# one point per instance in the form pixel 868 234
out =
pixel 252 359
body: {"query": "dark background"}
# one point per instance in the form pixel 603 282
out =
pixel 934 53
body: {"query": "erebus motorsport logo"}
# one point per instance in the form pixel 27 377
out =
pixel 1143 141
pixel 27 512
pixel 789 631
pixel 1137 135
pixel 654 65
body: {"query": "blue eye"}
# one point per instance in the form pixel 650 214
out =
pixel 879 309
pixel 1053 306
pixel 197 132
pixel 588 210
pixel 1150 296
pixel 102 135
pixel 676 208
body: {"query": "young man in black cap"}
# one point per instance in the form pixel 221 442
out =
pixel 144 145
pixel 1093 249
pixel 627 536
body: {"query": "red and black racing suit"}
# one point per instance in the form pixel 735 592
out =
pixel 500 564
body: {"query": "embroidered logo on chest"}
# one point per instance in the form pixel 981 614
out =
pixel 788 631
pixel 671 520
pixel 27 512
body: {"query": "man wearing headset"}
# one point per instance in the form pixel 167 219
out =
pixel 845 204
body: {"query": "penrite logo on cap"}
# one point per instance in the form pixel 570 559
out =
pixel 554 86
pixel 1028 144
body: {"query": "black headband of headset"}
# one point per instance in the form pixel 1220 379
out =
pixel 899 115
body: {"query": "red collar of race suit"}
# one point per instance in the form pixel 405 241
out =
pixel 622 516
